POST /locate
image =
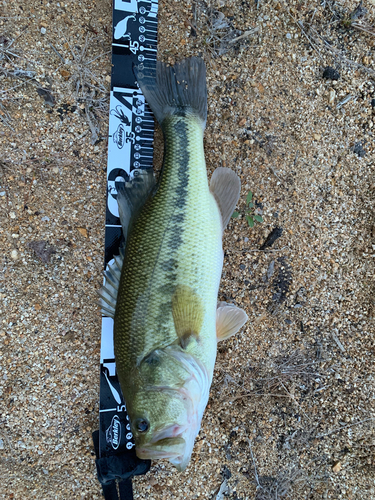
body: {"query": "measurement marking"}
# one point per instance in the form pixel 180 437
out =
pixel 142 48
pixel 121 45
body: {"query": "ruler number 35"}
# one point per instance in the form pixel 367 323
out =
pixel 130 137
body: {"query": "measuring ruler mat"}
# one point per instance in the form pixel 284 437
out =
pixel 130 149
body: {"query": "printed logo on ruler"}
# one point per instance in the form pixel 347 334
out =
pixel 131 129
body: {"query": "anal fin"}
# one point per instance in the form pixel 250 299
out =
pixel 229 319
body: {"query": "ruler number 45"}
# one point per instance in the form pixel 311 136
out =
pixel 134 46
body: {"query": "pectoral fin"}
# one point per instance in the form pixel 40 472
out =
pixel 225 185
pixel 188 314
pixel 229 319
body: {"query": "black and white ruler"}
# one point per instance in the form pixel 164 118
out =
pixel 130 148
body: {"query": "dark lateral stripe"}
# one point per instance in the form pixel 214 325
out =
pixel 179 132
pixel 180 112
pixel 169 265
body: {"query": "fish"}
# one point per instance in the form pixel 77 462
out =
pixel 162 290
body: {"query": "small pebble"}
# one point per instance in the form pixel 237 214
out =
pixel 337 467
pixel 330 73
pixel 331 96
pixel 271 269
pixel 14 254
pixel 43 30
pixel 358 149
pixel 83 231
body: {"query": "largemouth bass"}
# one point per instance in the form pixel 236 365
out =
pixel 162 290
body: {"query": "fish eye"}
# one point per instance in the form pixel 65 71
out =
pixel 142 425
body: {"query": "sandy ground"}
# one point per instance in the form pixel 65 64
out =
pixel 291 412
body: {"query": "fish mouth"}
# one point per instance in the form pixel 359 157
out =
pixel 174 443
pixel 166 443
pixel 170 448
pixel 171 431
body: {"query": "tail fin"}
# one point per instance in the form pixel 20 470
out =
pixel 175 90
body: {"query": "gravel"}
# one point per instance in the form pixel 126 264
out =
pixel 292 401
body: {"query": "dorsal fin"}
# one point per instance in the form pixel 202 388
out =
pixel 225 185
pixel 132 196
pixel 229 319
